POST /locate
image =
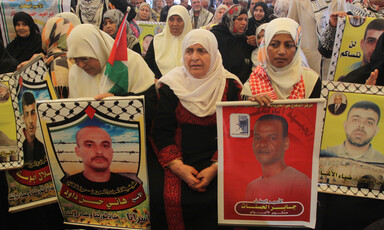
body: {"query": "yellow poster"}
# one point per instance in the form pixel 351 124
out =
pixel 148 30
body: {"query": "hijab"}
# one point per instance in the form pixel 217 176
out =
pixel 230 16
pixel 117 17
pixel 199 95
pixel 215 20
pixel 283 79
pixel 168 47
pixel 256 50
pixel 7 62
pixel 265 9
pixel 24 48
pixel 144 4
pixel 71 17
pixel 87 40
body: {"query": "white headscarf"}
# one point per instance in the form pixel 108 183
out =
pixel 168 47
pixel 87 40
pixel 199 96
pixel 283 79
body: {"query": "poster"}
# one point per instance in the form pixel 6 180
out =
pixel 30 186
pixel 40 11
pixel 351 156
pixel 268 162
pixel 97 156
pixel 10 144
pixel 148 30
pixel 354 44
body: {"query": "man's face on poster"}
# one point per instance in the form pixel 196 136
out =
pixel 30 118
pixel 269 144
pixel 338 99
pixel 361 126
pixel 94 146
pixel 368 44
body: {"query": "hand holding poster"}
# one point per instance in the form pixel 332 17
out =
pixel 268 158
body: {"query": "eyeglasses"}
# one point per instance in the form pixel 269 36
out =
pixel 84 60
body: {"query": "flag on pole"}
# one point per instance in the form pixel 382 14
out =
pixel 117 69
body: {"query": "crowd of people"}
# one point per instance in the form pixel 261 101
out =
pixel 208 52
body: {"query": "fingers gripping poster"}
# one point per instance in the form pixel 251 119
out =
pixel 268 162
pixel 30 186
pixel 96 151
pixel 351 156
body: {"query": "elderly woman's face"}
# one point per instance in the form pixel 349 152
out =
pixel 109 26
pixel 144 13
pixel 176 25
pixel 281 50
pixel 22 29
pixel 240 23
pixel 197 60
pixel 220 13
pixel 259 13
pixel 90 65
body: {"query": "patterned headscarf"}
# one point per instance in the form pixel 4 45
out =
pixel 230 16
pixel 55 33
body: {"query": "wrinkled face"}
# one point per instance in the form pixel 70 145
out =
pixel 30 119
pixel 260 37
pixel 94 147
pixel 269 144
pixel 197 60
pixel 338 99
pixel 109 26
pixel 196 5
pixel 22 29
pixel 281 50
pixel 90 65
pixel 144 13
pixel 176 25
pixel 368 44
pixel 361 126
pixel 219 14
pixel 240 23
pixel 259 13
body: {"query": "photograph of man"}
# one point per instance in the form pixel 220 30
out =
pixel 337 107
pixel 360 128
pixel 278 180
pixel 94 147
pixel 33 149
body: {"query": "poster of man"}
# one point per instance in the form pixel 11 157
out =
pixel 97 158
pixel 269 162
pixel 337 104
pixel 351 153
pixel 148 30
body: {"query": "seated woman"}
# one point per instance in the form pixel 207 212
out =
pixel 184 132
pixel 111 23
pixel 164 52
pixel 144 13
pixel 281 74
pixel 28 38
pixel 221 9
pixel 233 46
pixel 90 48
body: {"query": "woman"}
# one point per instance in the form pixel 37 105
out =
pixel 111 23
pixel 186 116
pixel 221 9
pixel 28 38
pixel 261 15
pixel 144 13
pixel 259 37
pixel 54 38
pixel 281 75
pixel 90 48
pixel 233 46
pixel 164 53
pixel 7 62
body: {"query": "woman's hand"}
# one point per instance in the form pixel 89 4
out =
pixel 103 95
pixel 372 78
pixel 333 17
pixel 205 176
pixel 251 40
pixel 263 100
pixel 185 172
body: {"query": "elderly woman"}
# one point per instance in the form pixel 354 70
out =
pixel 90 48
pixel 28 38
pixel 233 46
pixel 281 74
pixel 221 9
pixel 111 23
pixel 164 52
pixel 186 116
pixel 144 13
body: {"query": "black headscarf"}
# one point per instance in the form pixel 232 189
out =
pixel 7 62
pixel 253 23
pixel 24 48
pixel 360 75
